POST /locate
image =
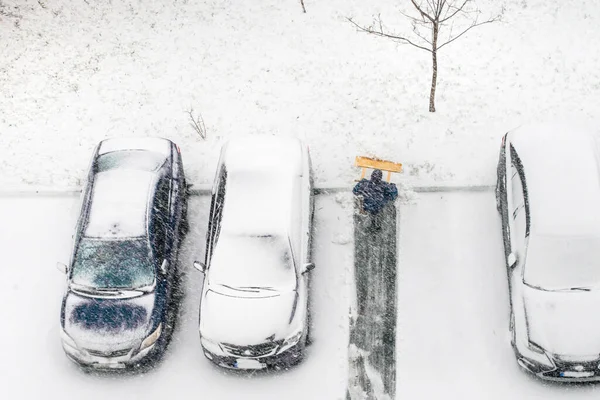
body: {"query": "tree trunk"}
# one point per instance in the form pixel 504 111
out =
pixel 434 75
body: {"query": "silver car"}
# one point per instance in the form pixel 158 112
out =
pixel 254 304
pixel 548 196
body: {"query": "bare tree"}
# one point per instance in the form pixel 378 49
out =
pixel 433 16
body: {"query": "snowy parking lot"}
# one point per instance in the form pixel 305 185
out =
pixel 37 231
pixel 452 337
pixel 73 73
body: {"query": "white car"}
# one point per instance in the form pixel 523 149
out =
pixel 254 303
pixel 548 196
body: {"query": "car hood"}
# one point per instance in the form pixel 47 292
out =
pixel 244 320
pixel 107 323
pixel 564 322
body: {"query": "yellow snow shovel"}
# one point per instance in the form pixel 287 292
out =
pixel 375 163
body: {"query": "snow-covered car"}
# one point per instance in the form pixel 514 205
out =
pixel 254 310
pixel 119 308
pixel 548 196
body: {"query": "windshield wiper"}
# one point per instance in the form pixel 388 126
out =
pixel 242 289
pixel 254 289
pixel 120 292
pixel 581 289
pixel 83 289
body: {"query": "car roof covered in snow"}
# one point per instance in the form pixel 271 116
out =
pixel 155 144
pixel 260 184
pixel 119 204
pixel 562 174
pixel 261 153
pixel 257 205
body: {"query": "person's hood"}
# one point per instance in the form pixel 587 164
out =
pixel 376 176
pixel 239 319
pixel 564 323
pixel 107 323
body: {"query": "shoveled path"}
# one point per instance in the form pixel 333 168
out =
pixel 372 352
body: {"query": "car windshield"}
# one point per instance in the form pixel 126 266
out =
pixel 261 262
pixel 113 264
pixel 563 262
pixel 130 159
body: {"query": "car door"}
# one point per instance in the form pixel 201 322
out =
pixel 307 205
pixel 179 189
pixel 175 188
pixel 519 217
pixel 163 234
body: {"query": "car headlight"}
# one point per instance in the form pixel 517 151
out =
pixel 291 341
pixel 152 338
pixel 535 348
pixel 67 340
pixel 212 347
pixel 539 355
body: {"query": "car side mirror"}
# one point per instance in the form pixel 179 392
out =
pixel 62 267
pixel 200 266
pixel 512 260
pixel 308 267
pixel 164 267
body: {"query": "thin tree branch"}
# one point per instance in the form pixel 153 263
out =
pixel 416 32
pixel 431 5
pixel 413 19
pixel 458 9
pixel 197 123
pixel 387 35
pixel 468 29
pixel 440 7
pixel 303 8
pixel 423 13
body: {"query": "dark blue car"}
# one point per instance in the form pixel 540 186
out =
pixel 119 308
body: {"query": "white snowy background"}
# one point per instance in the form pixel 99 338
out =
pixel 73 72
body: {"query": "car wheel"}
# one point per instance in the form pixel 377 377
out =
pixel 290 361
pixel 169 326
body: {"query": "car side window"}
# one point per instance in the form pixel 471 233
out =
pixel 217 203
pixel 518 199
pixel 520 212
pixel 176 185
pixel 220 202
pixel 516 160
pixel 160 221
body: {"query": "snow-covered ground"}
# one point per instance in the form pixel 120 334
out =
pixel 453 310
pixel 75 72
pixel 36 232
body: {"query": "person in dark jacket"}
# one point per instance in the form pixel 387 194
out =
pixel 376 193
